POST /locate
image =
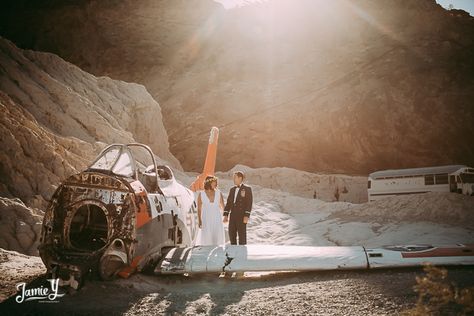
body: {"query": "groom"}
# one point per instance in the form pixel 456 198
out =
pixel 239 205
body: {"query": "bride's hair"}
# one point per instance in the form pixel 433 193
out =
pixel 208 182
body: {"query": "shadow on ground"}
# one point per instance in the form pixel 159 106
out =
pixel 354 292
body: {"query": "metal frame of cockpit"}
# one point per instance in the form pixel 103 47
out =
pixel 125 147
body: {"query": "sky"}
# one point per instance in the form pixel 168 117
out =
pixel 466 5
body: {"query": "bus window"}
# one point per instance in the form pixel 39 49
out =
pixel 441 178
pixel 368 184
pixel 429 180
pixel 467 177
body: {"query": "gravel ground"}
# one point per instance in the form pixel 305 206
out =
pixel 377 292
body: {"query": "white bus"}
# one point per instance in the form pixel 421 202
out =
pixel 453 178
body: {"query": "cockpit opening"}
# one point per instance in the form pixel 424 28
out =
pixel 149 176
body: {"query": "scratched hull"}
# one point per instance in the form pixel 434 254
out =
pixel 232 258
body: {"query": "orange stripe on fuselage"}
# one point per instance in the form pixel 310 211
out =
pixel 143 212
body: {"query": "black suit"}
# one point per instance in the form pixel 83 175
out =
pixel 238 210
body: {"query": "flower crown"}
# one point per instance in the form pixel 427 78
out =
pixel 211 179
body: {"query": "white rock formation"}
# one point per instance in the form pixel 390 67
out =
pixel 326 187
pixel 56 117
pixel 33 160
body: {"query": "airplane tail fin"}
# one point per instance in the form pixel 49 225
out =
pixel 210 163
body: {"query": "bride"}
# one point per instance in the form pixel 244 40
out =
pixel 210 207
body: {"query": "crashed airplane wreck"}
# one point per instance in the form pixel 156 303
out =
pixel 115 217
pixel 122 215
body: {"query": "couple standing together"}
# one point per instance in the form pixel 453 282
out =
pixel 236 212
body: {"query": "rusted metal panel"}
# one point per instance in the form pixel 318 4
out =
pixel 113 196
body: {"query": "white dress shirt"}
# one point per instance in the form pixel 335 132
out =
pixel 237 188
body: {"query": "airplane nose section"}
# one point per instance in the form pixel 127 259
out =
pixel 89 226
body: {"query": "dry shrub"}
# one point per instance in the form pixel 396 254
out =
pixel 438 296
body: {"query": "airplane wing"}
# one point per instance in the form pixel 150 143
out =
pixel 240 258
pixel 417 255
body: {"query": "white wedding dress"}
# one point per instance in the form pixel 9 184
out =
pixel 212 230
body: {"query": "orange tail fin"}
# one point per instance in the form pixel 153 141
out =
pixel 210 163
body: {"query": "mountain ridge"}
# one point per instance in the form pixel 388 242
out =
pixel 361 85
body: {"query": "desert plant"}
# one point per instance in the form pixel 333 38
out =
pixel 438 296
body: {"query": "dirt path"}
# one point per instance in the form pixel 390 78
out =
pixel 336 293
pixel 16 268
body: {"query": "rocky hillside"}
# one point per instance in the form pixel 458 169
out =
pixel 20 226
pixel 56 117
pixel 336 86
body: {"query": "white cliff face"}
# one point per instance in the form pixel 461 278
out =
pixel 34 160
pixel 56 118
pixel 72 103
